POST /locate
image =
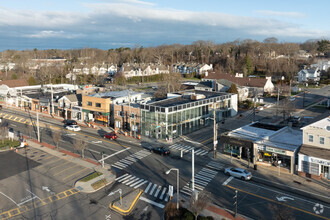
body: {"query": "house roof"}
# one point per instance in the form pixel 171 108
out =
pixel 204 84
pixel 74 97
pixel 315 151
pixel 15 83
pixel 323 124
pixel 242 81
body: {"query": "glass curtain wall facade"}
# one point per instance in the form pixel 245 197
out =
pixel 171 122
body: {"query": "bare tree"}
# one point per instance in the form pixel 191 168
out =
pixel 3 130
pixel 80 145
pixel 171 211
pixel 198 205
pixel 56 137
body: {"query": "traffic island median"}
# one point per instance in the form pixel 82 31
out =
pixel 125 205
pixel 95 181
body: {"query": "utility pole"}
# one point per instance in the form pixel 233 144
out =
pixel 52 94
pixel 21 99
pixel 38 127
pixel 235 197
pixel 254 106
pixel 193 170
pixel 129 110
pixel 215 142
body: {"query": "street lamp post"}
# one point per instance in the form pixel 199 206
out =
pixel 177 183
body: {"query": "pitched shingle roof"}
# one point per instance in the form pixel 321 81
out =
pixel 244 81
pixel 15 83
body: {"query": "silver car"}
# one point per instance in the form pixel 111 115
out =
pixel 239 173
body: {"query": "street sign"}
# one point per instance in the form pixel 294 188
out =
pixel 170 190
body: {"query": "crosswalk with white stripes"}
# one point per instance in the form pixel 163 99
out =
pixel 150 188
pixel 186 148
pixel 202 179
pixel 127 161
pixel 215 166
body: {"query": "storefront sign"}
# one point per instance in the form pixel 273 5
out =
pixel 320 161
pixel 276 150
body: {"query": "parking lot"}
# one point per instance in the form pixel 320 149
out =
pixel 32 178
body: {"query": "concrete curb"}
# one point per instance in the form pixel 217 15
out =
pixel 114 207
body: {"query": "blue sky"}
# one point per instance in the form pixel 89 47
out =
pixel 105 24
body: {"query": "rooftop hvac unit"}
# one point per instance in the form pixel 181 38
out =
pixel 197 96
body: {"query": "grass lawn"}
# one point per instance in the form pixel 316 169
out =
pixel 8 143
pixel 91 176
pixel 99 184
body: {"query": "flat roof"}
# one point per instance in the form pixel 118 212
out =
pixel 184 98
pixel 115 94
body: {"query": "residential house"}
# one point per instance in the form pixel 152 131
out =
pixel 322 65
pixel 314 155
pixel 306 75
pixel 256 86
pixel 131 70
pixel 70 106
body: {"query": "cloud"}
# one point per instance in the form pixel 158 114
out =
pixel 131 22
pixel 281 14
pixel 53 34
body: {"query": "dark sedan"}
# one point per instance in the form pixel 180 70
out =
pixel 160 150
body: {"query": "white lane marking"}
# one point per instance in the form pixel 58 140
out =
pixel 203 178
pixel 296 189
pixel 167 196
pixel 129 176
pixel 26 201
pixel 148 187
pixel 201 182
pixel 281 193
pixel 204 153
pixel 125 162
pixel 206 174
pixel 33 194
pixel 228 180
pixel 152 202
pixel 153 189
pixel 199 187
pixel 137 182
pixel 121 164
pixel 128 180
pixel 210 171
pixel 157 192
pixel 162 195
pixel 118 152
pixel 9 198
pixel 113 165
pixel 141 184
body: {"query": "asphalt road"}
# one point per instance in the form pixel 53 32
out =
pixel 136 167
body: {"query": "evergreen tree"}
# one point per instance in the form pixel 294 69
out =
pixel 32 81
pixel 233 89
pixel 248 64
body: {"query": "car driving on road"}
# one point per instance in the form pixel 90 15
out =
pixel 111 135
pixel 239 173
pixel 160 150
pixel 70 122
pixel 73 128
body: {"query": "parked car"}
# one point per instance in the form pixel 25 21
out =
pixel 295 120
pixel 292 98
pixel 239 173
pixel 73 128
pixel 160 150
pixel 111 135
pixel 70 122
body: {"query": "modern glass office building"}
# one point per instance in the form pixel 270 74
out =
pixel 185 112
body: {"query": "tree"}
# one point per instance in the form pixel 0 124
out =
pixel 80 145
pixel 14 76
pixel 323 46
pixel 248 65
pixel 233 89
pixel 198 205
pixel 56 137
pixel 3 130
pixel 171 211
